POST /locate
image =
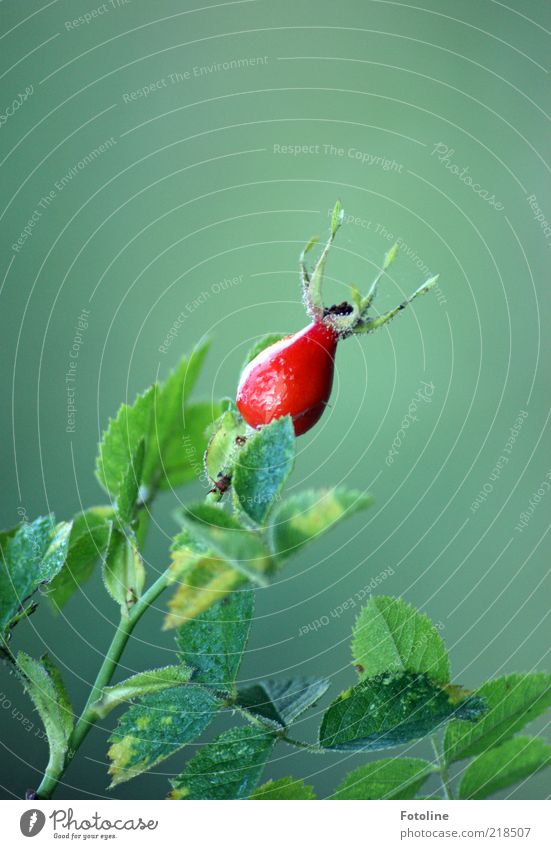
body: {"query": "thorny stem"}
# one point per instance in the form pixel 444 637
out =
pixel 88 716
pixel 442 768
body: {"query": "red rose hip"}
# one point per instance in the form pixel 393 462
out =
pixel 291 377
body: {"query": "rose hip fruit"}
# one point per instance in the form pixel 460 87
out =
pixel 291 377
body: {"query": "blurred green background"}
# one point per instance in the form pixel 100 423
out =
pixel 194 186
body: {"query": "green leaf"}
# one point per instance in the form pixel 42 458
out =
pixel 261 345
pixel 512 701
pixel 390 778
pixel 123 570
pixel 32 557
pixel 88 542
pixel 120 441
pixel 156 727
pixel 281 701
pixel 170 428
pixel 303 517
pixel 391 636
pixel 224 445
pixel 141 684
pixel 505 765
pixel 213 643
pixel 227 768
pixel 170 420
pixel 5 536
pixel 184 452
pixel 284 789
pixel 43 683
pixel 262 467
pixel 390 709
pixel 130 485
pixel 227 538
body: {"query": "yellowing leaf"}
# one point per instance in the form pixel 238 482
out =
pixel 202 581
pixel 157 726
pixel 151 681
pixel 302 518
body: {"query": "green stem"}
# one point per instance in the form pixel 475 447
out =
pixel 268 726
pixel 318 750
pixel 442 768
pixel 88 716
